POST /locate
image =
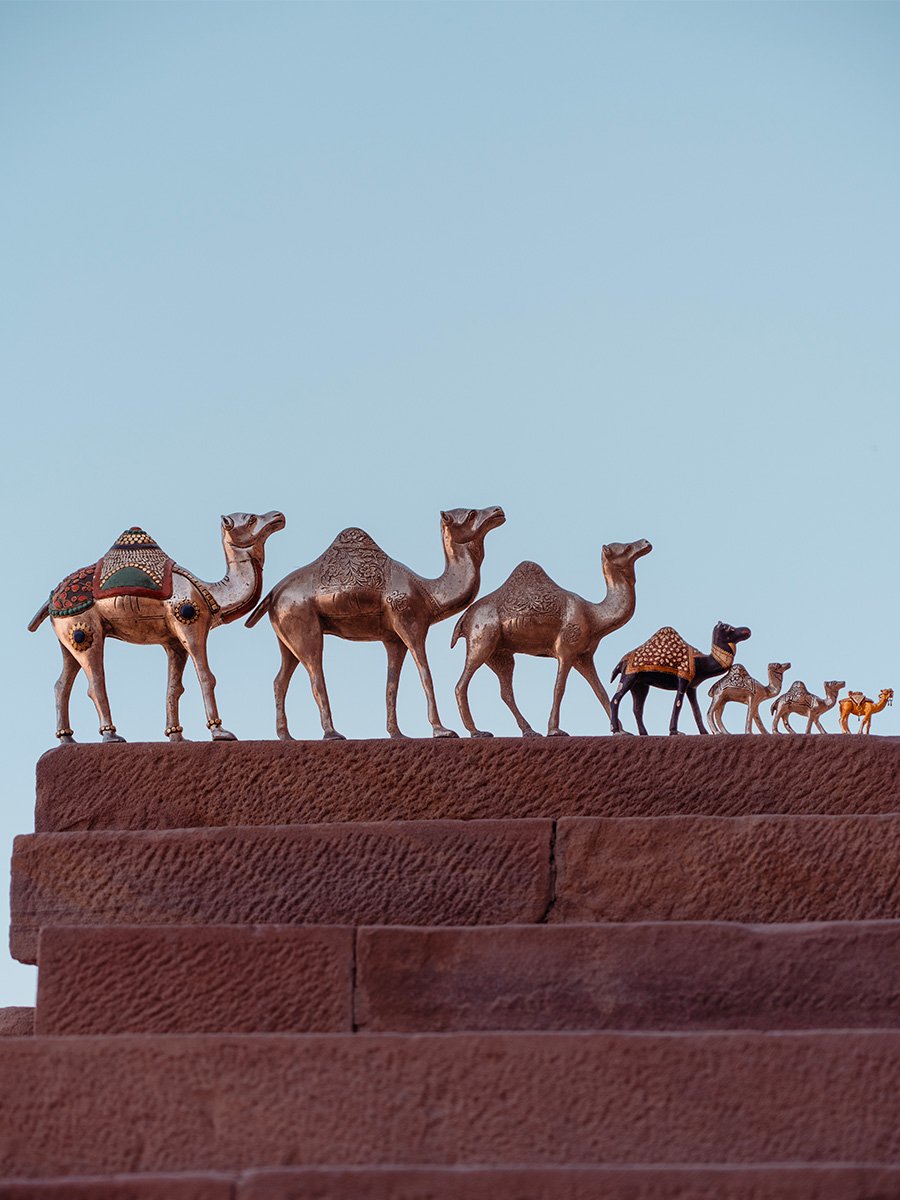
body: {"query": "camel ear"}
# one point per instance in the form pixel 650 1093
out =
pixel 445 518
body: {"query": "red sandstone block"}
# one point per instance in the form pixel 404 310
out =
pixel 83 1105
pixel 749 869
pixel 162 786
pixel 666 975
pixel 121 1187
pixel 411 873
pixel 16 1022
pixel 576 1183
pixel 195 979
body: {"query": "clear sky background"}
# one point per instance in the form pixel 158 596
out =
pixel 629 270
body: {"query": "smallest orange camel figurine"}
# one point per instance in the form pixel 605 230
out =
pixel 855 704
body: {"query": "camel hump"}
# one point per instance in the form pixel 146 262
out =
pixel 530 592
pixel 354 539
pixel 666 652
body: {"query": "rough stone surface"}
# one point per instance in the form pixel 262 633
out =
pixel 190 979
pixel 193 1103
pixel 667 975
pixel 163 786
pixel 16 1022
pixel 752 869
pixel 122 1187
pixel 577 1183
pixel 411 873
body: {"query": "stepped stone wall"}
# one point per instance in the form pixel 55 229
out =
pixel 635 969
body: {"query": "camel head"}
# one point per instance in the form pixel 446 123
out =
pixel 833 686
pixel 887 695
pixel 728 636
pixel 619 557
pixel 247 531
pixel 779 668
pixel 462 526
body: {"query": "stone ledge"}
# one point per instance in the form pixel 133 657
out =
pixel 209 1103
pixel 750 869
pixel 408 873
pixel 163 786
pixel 16 1021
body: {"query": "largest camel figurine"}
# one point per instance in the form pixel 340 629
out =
pixel 530 614
pixel 355 591
pixel 146 598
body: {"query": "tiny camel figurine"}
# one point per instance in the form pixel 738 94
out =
pixel 739 687
pixel 355 591
pixel 800 700
pixel 855 704
pixel 530 614
pixel 135 593
pixel 667 661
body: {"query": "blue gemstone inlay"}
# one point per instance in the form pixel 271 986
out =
pixel 188 612
pixel 79 636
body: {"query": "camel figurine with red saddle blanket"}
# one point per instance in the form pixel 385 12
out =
pixel 136 593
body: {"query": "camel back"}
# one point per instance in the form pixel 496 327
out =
pixel 353 560
pixel 666 653
pixel 529 592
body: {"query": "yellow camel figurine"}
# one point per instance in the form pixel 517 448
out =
pixel 855 704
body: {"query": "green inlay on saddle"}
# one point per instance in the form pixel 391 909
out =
pixel 129 577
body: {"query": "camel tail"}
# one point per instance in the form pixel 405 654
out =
pixel 42 612
pixel 617 669
pixel 774 702
pixel 460 630
pixel 260 611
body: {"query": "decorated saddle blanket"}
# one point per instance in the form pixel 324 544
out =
pixel 353 560
pixel 529 592
pixel 133 566
pixel 666 652
pixel 859 699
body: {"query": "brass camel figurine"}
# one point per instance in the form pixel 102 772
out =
pixel 667 661
pixel 530 614
pixel 855 704
pixel 136 594
pixel 740 687
pixel 355 591
pixel 799 699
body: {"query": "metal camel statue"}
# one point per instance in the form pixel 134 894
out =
pixel 667 661
pixel 739 687
pixel 800 700
pixel 135 593
pixel 355 591
pixel 858 704
pixel 530 614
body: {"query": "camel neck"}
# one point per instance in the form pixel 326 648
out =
pixel 239 589
pixel 617 606
pixel 457 586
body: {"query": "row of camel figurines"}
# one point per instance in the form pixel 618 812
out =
pixel 356 591
pixel 739 687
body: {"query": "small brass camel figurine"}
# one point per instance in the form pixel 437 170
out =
pixel 855 704
pixel 355 591
pixel 739 687
pixel 136 594
pixel 530 614
pixel 667 661
pixel 800 700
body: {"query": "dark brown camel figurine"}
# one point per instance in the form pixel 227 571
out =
pixel 355 591
pixel 530 614
pixel 667 661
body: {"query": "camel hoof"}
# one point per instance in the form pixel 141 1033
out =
pixel 284 736
pixel 333 736
pixel 529 732
pixel 441 732
pixel 556 733
pixel 113 737
pixel 622 733
pixel 222 735
pixel 177 737
pixel 67 741
pixel 396 736
pixel 480 733
pixel 676 733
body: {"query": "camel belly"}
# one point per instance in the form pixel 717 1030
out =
pixel 355 626
pixel 530 633
pixel 134 619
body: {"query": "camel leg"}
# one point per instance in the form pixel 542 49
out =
pixel 289 664
pixel 92 663
pixel 639 693
pixel 695 708
pixel 193 639
pixel 177 656
pixel 559 688
pixel 625 686
pixel 676 708
pixel 62 691
pixel 584 665
pixel 712 715
pixel 396 653
pixel 503 663
pixel 757 719
pixel 478 652
pixel 414 639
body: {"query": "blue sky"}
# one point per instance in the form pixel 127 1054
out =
pixel 629 270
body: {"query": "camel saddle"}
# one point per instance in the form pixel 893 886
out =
pixel 859 699
pixel 133 566
pixel 666 652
